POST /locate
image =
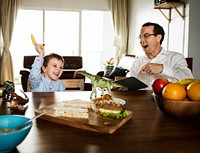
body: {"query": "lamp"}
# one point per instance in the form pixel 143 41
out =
pixel 118 44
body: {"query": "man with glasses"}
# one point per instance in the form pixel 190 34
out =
pixel 158 62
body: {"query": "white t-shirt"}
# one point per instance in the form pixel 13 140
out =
pixel 174 67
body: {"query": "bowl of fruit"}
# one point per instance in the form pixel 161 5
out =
pixel 177 99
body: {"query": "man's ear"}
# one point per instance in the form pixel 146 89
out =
pixel 159 37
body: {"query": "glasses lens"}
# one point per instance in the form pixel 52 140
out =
pixel 146 35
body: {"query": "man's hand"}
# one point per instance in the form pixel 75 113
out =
pixel 151 68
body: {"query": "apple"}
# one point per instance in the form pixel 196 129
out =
pixel 158 85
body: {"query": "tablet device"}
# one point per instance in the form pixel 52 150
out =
pixel 132 83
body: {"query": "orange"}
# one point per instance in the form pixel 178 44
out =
pixel 174 91
pixel 193 91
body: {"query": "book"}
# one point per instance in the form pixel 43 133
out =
pixel 132 83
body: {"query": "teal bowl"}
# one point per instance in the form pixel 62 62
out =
pixel 9 141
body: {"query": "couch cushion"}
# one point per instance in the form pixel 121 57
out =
pixel 117 71
pixel 122 69
pixel 108 70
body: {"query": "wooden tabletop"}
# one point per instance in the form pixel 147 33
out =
pixel 148 131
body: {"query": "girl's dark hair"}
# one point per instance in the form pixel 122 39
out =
pixel 50 56
pixel 157 29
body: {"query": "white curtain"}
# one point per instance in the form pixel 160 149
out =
pixel 8 9
pixel 120 15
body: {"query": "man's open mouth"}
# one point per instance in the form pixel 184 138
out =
pixel 145 46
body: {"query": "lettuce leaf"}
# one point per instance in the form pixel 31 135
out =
pixel 117 116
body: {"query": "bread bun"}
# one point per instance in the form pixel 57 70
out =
pixel 107 97
pixel 107 107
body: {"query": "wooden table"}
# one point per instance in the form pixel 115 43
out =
pixel 148 131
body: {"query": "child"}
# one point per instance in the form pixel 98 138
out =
pixel 52 67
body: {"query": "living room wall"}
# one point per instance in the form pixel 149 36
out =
pixel 140 13
pixel 181 35
pixel 193 35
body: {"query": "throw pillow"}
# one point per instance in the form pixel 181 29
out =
pixel 108 70
pixel 118 71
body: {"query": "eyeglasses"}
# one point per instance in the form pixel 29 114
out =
pixel 146 35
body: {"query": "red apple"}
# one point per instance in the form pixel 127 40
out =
pixel 158 85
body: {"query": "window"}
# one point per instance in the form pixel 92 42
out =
pixel 86 33
pixel 62 32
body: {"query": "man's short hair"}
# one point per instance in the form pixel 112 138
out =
pixel 157 29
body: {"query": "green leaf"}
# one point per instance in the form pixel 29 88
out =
pixel 117 116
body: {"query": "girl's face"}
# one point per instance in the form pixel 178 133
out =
pixel 53 70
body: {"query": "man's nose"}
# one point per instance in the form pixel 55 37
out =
pixel 142 40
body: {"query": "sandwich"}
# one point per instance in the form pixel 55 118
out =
pixel 72 112
pixel 108 107
pixel 73 109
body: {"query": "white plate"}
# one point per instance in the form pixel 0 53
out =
pixel 118 100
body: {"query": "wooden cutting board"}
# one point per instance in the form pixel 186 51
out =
pixel 95 122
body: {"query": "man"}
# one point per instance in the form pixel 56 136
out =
pixel 158 62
